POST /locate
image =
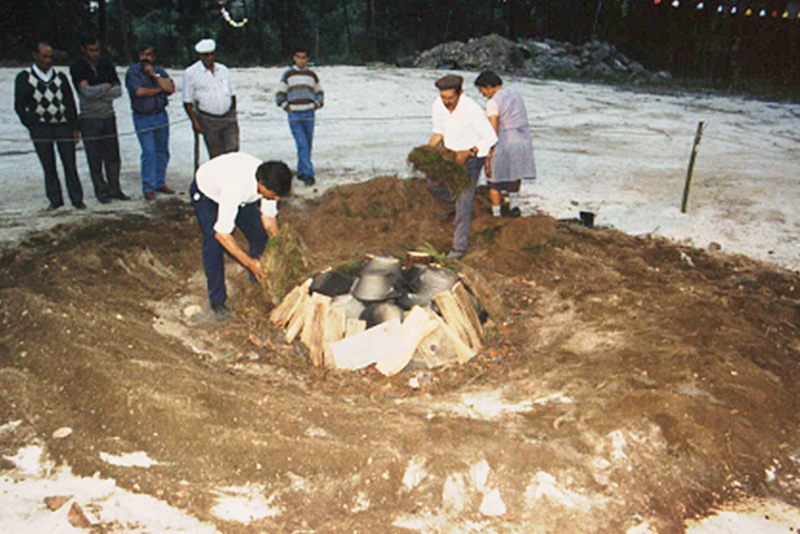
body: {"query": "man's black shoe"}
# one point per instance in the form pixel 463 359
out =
pixel 104 200
pixel 80 206
pixel 514 213
pixel 220 311
pixel 54 207
pixel 310 180
pixel 122 196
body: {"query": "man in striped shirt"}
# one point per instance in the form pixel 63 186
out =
pixel 210 101
pixel 300 94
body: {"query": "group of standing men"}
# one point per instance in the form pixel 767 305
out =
pixel 46 106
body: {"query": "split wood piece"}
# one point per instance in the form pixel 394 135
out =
pixel 464 300
pixel 443 346
pixel 481 289
pixel 297 317
pixel 314 326
pixel 463 351
pixel 416 326
pixel 335 329
pixel 281 314
pixel 354 326
pixel 454 316
pixel 385 340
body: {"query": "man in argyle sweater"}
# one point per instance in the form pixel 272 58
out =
pixel 44 103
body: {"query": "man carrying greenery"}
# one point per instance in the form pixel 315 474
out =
pixel 460 125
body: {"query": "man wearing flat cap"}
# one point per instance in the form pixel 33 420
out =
pixel 459 124
pixel 210 101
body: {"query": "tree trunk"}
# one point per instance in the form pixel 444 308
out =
pixel 347 25
pixel 369 25
pixel 101 23
pixel 124 26
pixel 596 24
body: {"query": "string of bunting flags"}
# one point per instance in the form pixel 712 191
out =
pixel 791 11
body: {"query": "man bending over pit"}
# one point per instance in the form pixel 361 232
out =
pixel 236 190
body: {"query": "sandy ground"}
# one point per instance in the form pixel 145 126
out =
pixel 634 384
pixel 621 154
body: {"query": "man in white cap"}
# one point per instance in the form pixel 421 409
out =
pixel 210 101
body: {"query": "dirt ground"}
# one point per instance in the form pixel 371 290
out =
pixel 633 380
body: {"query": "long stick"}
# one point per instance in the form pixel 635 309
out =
pixel 196 151
pixel 690 170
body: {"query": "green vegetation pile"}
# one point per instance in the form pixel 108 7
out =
pixel 285 263
pixel 439 164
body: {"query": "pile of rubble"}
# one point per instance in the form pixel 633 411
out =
pixel 393 315
pixel 538 59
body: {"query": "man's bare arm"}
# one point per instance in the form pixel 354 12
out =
pixel 193 117
pixel 229 243
pixel 436 140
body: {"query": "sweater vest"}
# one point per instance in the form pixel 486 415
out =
pixel 48 98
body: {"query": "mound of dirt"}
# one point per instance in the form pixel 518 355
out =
pixel 635 381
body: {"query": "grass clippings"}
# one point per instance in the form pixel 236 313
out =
pixel 439 164
pixel 285 264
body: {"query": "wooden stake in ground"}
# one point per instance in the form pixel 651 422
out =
pixel 690 170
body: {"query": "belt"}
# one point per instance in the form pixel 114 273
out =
pixel 149 112
pixel 214 114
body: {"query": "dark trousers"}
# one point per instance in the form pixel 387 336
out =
pixel 248 220
pixel 46 138
pixel 462 203
pixel 102 149
pixel 221 134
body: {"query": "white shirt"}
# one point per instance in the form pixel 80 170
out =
pixel 209 91
pixel 230 181
pixel 464 128
pixel 45 76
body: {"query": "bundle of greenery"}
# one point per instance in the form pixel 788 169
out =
pixel 439 164
pixel 285 264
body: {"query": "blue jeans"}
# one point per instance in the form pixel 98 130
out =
pixel 248 220
pixel 153 134
pixel 302 125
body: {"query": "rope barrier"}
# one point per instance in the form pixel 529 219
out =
pixel 542 129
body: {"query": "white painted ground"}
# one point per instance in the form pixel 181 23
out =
pixel 623 155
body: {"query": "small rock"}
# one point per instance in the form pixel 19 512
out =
pixel 714 246
pixel 77 518
pixel 54 503
pixel 62 432
pixel 192 310
pixel 493 504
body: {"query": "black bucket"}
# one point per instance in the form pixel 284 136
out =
pixel 587 219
